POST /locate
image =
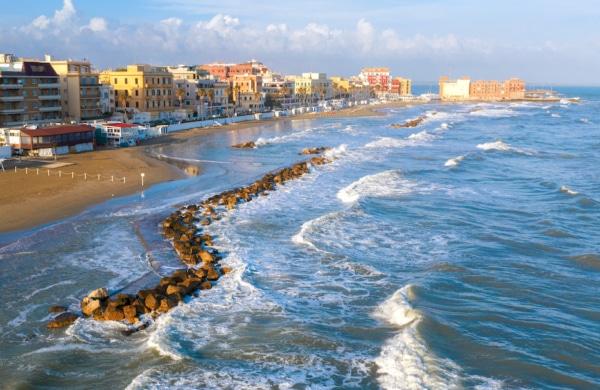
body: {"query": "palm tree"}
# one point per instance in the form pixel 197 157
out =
pixel 200 94
pixel 122 99
pixel 180 93
pixel 211 97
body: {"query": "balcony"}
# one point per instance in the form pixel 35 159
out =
pixel 49 97
pixel 49 85
pixel 11 98
pixel 9 111
pixel 11 86
pixel 50 109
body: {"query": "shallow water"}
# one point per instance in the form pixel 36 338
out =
pixel 463 253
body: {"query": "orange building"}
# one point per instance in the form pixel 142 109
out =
pixel 227 71
pixel 512 89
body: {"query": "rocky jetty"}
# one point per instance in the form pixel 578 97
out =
pixel 318 150
pixel 410 123
pixel 195 249
pixel 245 145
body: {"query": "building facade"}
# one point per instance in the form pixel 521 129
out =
pixel 117 134
pixel 29 92
pixel 80 89
pixel 312 86
pixel 142 88
pixel 247 92
pixel 377 78
pixel 107 99
pixel 52 140
pixel 486 90
pixel 401 86
pixel 223 71
pixel 454 89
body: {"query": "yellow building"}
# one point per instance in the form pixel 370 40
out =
pixel 340 85
pixel 401 86
pixel 79 87
pixel 246 92
pixel 142 87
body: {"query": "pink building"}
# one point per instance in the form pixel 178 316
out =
pixel 377 78
pixel 512 89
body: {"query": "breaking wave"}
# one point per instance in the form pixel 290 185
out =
pixel 568 190
pixel 501 146
pixel 453 162
pixel 383 184
pixel 405 361
pixel 411 140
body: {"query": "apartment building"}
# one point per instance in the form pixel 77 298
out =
pixel 246 92
pixel 311 86
pixel 489 90
pixel 377 78
pixel 80 89
pixel 29 92
pixel 141 88
pixel 401 86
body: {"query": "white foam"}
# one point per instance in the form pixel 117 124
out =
pixel 453 162
pixel 584 120
pixel 382 184
pixel 568 190
pixel 493 112
pixel 405 361
pixel 554 115
pixel 412 140
pixel 336 152
pixel 496 145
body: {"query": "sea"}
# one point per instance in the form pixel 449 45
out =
pixel 460 254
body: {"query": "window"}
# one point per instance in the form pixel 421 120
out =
pixel 126 80
pixel 115 80
pixel 136 81
pixel 137 105
pixel 136 92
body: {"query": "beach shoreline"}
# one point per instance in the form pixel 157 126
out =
pixel 39 198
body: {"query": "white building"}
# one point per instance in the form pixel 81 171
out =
pixel 454 89
pixel 121 134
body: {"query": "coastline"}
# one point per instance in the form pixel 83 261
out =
pixel 29 201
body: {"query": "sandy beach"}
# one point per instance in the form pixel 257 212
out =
pixel 29 200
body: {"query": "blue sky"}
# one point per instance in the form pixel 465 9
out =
pixel 543 41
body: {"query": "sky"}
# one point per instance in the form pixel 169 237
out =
pixel 545 42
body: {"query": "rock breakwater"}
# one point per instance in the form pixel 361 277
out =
pixel 409 123
pixel 194 247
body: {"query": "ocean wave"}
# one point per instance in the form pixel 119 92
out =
pixel 453 162
pixel 555 115
pixel 405 361
pixel 382 184
pixel 502 147
pixel 493 112
pixel 568 191
pixel 336 152
pixel 412 140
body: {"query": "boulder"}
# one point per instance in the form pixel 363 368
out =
pixel 152 301
pixel 130 313
pixel 89 305
pixel 113 313
pixel 62 320
pixel 212 274
pixel 100 293
pixel 57 309
pixel 226 270
pixel 206 285
pixel 174 289
pixel 206 257
pixel 166 304
pixel 245 145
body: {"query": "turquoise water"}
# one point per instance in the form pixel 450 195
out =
pixel 463 253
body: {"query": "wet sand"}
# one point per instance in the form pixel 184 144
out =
pixel 27 201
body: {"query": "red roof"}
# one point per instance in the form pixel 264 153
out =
pixel 122 125
pixel 57 130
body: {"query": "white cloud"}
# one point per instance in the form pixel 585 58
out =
pixel 97 24
pixel 65 13
pixel 41 22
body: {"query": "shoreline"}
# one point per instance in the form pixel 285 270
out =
pixel 33 200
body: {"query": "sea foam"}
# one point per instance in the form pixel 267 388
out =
pixel 382 184
pixel 405 361
pixel 453 162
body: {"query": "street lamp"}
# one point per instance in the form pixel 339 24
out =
pixel 142 176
